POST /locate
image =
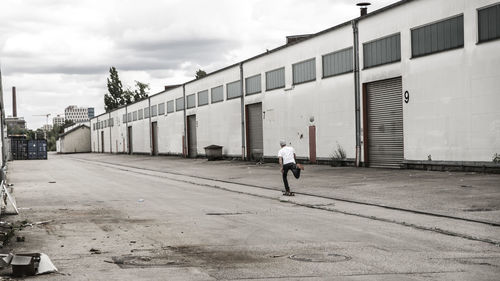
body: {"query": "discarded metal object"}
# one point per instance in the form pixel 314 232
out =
pixel 28 264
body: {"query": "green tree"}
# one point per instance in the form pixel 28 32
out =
pixel 140 91
pixel 114 98
pixel 200 73
pixel 117 96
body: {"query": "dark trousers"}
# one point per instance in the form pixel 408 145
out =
pixel 295 170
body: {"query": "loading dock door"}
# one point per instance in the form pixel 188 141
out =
pixel 255 139
pixel 191 136
pixel 154 137
pixel 384 123
pixel 129 139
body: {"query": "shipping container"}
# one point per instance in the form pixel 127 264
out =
pixel 37 149
pixel 19 148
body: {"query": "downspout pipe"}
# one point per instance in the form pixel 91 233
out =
pixel 126 131
pixel 242 91
pixel 150 133
pixel 184 144
pixel 357 91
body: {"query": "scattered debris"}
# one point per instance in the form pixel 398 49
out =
pixel 140 200
pixel 25 223
pixel 95 251
pixel 52 182
pixel 10 184
pixel 20 239
pixel 133 242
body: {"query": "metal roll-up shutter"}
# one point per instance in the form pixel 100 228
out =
pixel 192 150
pixel 255 136
pixel 385 123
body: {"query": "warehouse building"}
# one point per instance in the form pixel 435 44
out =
pixel 74 140
pixel 413 84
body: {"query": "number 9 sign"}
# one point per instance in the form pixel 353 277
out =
pixel 407 96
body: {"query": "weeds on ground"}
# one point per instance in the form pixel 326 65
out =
pixel 338 156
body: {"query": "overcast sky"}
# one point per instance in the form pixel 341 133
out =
pixel 58 52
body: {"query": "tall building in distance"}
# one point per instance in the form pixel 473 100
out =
pixel 78 114
pixel 58 120
pixel 91 112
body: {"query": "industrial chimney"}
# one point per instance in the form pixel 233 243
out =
pixel 14 105
pixel 363 8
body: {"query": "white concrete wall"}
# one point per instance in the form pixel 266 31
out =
pixel 76 141
pixel 452 114
pixel 140 130
pixel 171 126
pixel 453 111
pixel 330 101
pixel 218 123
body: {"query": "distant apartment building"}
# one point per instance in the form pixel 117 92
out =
pixel 78 114
pixel 58 120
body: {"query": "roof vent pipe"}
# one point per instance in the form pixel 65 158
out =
pixel 363 8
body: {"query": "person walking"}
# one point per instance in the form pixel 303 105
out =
pixel 287 161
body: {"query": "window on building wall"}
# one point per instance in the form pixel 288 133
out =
pixel 111 122
pixel 191 101
pixel 203 98
pixel 140 114
pixel 134 116
pixel 304 71
pixel 338 62
pixel 488 23
pixel 124 118
pixel 436 37
pixel 253 85
pixel 233 89
pixel 170 106
pixel 93 127
pixel 161 108
pixel 129 117
pixel 382 51
pixel 154 110
pixel 217 94
pixel 146 112
pixel 179 104
pixel 275 79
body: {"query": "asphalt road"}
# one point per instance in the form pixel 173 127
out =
pixel 148 225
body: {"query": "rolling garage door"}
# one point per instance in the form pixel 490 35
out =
pixel 385 123
pixel 255 137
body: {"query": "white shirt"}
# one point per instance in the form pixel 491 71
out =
pixel 287 153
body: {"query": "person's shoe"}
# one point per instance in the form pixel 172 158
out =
pixel 300 166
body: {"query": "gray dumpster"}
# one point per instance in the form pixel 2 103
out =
pixel 213 152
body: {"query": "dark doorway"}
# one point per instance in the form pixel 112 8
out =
pixel 191 128
pixel 154 137
pixel 255 139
